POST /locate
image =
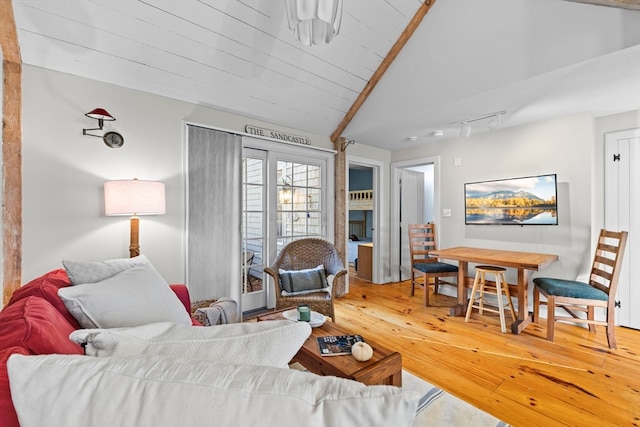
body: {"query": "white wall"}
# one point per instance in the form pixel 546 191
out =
pixel 63 174
pixel 568 146
pixel 64 171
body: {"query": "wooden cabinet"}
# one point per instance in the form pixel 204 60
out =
pixel 365 261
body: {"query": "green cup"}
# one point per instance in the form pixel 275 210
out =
pixel 304 313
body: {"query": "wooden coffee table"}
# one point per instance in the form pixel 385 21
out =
pixel 384 368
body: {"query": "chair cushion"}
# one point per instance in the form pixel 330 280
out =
pixel 163 391
pixel 569 288
pixel 435 267
pixel 296 282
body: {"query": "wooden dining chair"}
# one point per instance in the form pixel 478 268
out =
pixel 422 240
pixel 579 297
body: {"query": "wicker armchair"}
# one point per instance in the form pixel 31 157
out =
pixel 302 254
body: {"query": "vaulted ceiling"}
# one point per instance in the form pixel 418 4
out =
pixel 534 59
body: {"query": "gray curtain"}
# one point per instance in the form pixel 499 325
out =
pixel 214 214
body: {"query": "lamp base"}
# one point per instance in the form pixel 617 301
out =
pixel 134 247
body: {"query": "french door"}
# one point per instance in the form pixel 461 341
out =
pixel 254 225
pixel 284 198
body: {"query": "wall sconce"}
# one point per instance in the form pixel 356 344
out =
pixel 134 197
pixel 285 194
pixel 111 139
pixel 314 21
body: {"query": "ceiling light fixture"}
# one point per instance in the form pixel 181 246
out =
pixel 465 130
pixel 437 133
pixel 314 21
pixel 495 122
pixel 465 127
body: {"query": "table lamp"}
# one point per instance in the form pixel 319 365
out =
pixel 134 197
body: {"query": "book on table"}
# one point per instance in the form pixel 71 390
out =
pixel 336 345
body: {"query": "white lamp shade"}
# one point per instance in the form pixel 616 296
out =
pixel 314 21
pixel 134 197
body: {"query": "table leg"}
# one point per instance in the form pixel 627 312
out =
pixel 524 318
pixel 461 307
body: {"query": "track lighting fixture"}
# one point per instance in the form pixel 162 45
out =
pixel 465 127
pixel 495 122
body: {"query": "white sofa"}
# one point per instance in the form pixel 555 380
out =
pixel 152 368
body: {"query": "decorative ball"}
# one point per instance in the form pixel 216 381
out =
pixel 361 351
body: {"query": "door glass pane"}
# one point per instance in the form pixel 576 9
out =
pixel 253 225
pixel 298 206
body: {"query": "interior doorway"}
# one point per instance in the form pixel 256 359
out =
pixel 363 218
pixel 415 199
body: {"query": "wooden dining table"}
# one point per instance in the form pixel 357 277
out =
pixel 523 262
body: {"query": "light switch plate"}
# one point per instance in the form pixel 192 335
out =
pixel 446 212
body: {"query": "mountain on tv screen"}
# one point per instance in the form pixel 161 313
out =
pixel 515 201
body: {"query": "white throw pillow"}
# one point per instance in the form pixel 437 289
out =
pixel 80 272
pixel 133 297
pixel 272 343
pixel 64 390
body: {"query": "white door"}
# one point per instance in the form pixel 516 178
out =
pixel 411 212
pixel 254 225
pixel 622 212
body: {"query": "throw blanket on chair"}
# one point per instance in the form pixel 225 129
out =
pixel 221 312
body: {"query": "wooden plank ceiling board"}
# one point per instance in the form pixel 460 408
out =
pixel 240 56
pixel 214 48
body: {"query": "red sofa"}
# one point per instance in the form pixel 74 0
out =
pixel 37 322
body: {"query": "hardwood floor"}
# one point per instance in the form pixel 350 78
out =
pixel 523 379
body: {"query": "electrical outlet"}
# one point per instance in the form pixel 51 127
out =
pixel 446 212
pixel 457 161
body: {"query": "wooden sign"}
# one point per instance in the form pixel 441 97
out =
pixel 254 130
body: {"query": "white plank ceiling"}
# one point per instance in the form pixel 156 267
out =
pixel 534 58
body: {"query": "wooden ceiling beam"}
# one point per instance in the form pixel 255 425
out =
pixel 624 4
pixel 384 65
pixel 11 152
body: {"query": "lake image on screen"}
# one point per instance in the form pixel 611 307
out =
pixel 516 201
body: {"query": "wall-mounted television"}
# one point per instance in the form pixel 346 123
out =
pixel 528 200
